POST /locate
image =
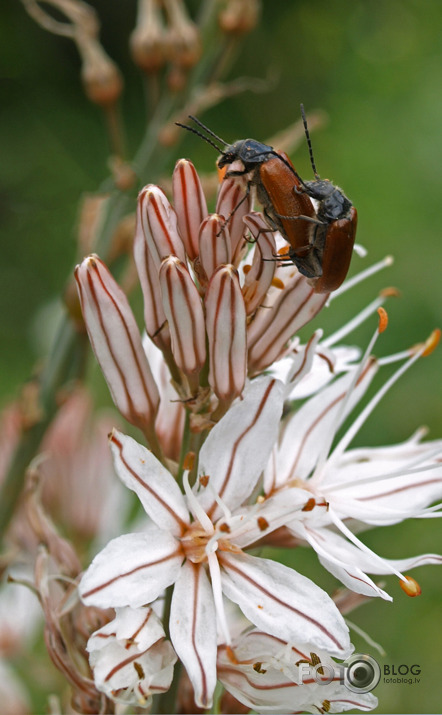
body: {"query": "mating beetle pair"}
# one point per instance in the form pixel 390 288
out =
pixel 321 237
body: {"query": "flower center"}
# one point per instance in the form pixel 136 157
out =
pixel 194 543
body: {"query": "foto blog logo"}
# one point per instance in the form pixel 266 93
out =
pixel 360 673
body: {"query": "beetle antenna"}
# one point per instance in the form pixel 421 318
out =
pixel 209 131
pixel 307 134
pixel 201 135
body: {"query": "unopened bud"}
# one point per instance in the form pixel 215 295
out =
pixel 239 16
pixel 260 275
pixel 183 309
pixel 214 244
pixel 271 329
pixel 101 79
pixel 116 342
pixel 190 204
pixel 157 221
pixel 183 35
pixel 226 331
pixel 233 203
pixel 148 41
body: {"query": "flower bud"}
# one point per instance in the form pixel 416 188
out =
pixel 233 203
pixel 101 79
pixel 183 35
pixel 259 278
pixel 183 309
pixel 154 315
pixel 190 204
pixel 116 342
pixel 239 16
pixel 214 244
pixel 148 42
pixel 157 221
pixel 285 313
pixel 226 331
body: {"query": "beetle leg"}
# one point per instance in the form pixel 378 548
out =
pixel 244 198
pixel 310 219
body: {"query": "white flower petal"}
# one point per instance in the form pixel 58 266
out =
pixel 344 560
pixel 237 449
pixel 307 431
pixel 140 626
pixel 284 603
pixel 132 570
pixel 193 630
pixel 157 490
pixel 252 523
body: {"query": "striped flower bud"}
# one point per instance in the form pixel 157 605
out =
pixel 234 204
pixel 116 342
pixel 155 319
pixel 260 276
pixel 226 331
pixel 183 309
pixel 286 311
pixel 190 204
pixel 157 221
pixel 214 244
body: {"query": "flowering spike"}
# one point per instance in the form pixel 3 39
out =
pixel 383 319
pixel 116 342
pixel 215 248
pixel 190 204
pixel 157 221
pixel 226 330
pixel 183 309
pixel 410 586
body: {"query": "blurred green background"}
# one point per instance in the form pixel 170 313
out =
pixel 375 68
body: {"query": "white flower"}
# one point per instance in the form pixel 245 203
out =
pixel 368 486
pixel 270 675
pixel 130 658
pixel 197 544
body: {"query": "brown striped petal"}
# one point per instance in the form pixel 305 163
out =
pixel 183 309
pixel 157 222
pixel 116 342
pixel 274 325
pixel 214 244
pixel 190 204
pixel 234 204
pixel 154 315
pixel 259 278
pixel 226 330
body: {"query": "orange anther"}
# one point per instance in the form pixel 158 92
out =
pixel 189 461
pixel 383 319
pixel 410 587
